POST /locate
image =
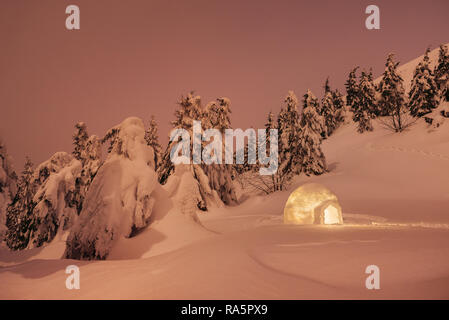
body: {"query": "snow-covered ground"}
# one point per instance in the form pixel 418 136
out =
pixel 394 191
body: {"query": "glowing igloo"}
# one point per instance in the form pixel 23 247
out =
pixel 312 203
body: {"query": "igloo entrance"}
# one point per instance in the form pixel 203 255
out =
pixel 312 203
pixel 331 215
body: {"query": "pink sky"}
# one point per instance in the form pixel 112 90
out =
pixel 136 58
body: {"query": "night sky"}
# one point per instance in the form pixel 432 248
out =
pixel 136 58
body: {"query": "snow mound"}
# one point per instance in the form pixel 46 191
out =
pixel 120 200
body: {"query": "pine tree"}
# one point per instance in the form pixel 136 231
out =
pixel 329 110
pixel 270 124
pixel 88 151
pixel 19 212
pixel 339 109
pixel 121 199
pixel 152 139
pixel 189 109
pixel 392 97
pixel 80 138
pixel 316 121
pixel 442 72
pixel 279 180
pixel 288 124
pixel 55 209
pixel 423 95
pixel 352 89
pixel 8 184
pixel 312 160
pixel 363 111
pixel 216 116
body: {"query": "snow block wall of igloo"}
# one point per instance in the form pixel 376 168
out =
pixel 312 203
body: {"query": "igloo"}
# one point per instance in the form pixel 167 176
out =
pixel 312 203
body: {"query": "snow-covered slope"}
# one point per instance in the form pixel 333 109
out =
pixel 406 70
pixel 394 193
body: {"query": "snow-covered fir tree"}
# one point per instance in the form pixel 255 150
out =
pixel 332 109
pixel 19 212
pixel 339 109
pixel 391 101
pixel 87 150
pixel 311 103
pixel 423 95
pixel 8 180
pixel 312 160
pixel 288 132
pixel 279 180
pixel 55 209
pixel 152 139
pixel 352 89
pixel 217 116
pixel 365 108
pixel 190 109
pixel 121 197
pixel 442 72
pixel 327 110
pixel 80 138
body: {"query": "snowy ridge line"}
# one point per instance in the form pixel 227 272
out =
pixel 431 154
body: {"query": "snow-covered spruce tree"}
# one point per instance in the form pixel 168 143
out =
pixel 120 199
pixel 339 109
pixel 80 138
pixel 8 180
pixel 312 160
pixel 288 131
pixel 364 110
pixel 190 109
pixel 352 89
pixel 442 73
pixel 152 139
pixel 19 212
pixel 327 110
pixel 332 109
pixel 54 208
pixel 423 95
pixel 281 179
pixel 245 166
pixel 391 101
pixel 216 116
pixel 88 151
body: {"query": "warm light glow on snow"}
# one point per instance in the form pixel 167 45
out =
pixel 312 203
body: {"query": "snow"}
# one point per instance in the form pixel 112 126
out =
pixel 406 70
pixel 119 201
pixel 56 178
pixel 7 186
pixel 393 189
